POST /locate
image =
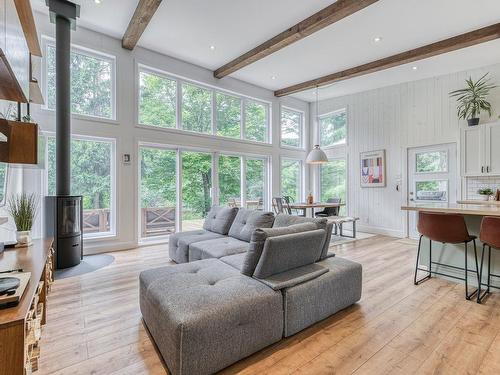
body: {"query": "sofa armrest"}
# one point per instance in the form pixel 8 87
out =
pixel 294 276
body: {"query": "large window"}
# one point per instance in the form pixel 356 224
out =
pixel 157 100
pixel 92 175
pixel 291 128
pixel 196 109
pixel 333 128
pixel 92 82
pixel 158 191
pixel 3 182
pixel 291 179
pixel 256 182
pixel 333 180
pixel 256 120
pixel 228 115
pixel 230 180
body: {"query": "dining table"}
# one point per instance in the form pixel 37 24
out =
pixel 312 206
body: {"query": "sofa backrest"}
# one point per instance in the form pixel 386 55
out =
pixel 219 219
pixel 283 220
pixel 258 240
pixel 287 252
pixel 247 221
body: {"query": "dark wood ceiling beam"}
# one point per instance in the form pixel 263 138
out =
pixel 325 17
pixel 469 39
pixel 140 20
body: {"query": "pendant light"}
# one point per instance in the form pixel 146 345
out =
pixel 317 155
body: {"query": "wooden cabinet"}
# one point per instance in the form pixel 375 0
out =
pixel 21 325
pixel 480 150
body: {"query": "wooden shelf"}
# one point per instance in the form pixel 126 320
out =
pixel 10 89
pixel 22 142
pixel 25 14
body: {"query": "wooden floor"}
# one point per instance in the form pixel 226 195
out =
pixel 94 324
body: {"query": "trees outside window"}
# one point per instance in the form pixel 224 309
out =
pixel 333 128
pixel 255 182
pixel 91 177
pixel 230 180
pixel 291 179
pixel 92 83
pixel 256 115
pixel 157 100
pixel 291 128
pixel 196 109
pixel 228 115
pixel 333 180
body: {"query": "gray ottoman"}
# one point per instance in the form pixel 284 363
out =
pixel 204 316
pixel 317 299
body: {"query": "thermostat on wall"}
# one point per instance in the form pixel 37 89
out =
pixel 126 159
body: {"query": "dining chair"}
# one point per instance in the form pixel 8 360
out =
pixel 329 211
pixel 288 199
pixel 281 206
pixel 490 237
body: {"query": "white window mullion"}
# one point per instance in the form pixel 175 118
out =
pixel 178 210
pixel 214 113
pixel 243 179
pixel 178 107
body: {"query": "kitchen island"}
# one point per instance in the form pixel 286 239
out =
pixel 453 255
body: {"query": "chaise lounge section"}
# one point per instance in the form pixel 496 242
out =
pixel 207 314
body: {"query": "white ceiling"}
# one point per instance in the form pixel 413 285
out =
pixel 185 29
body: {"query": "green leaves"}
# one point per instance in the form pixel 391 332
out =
pixel 23 209
pixel 472 99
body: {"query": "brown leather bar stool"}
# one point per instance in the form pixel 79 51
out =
pixel 490 237
pixel 445 228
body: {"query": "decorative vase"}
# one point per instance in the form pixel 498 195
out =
pixel 473 121
pixel 23 238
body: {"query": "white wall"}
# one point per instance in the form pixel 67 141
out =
pixel 127 134
pixel 394 118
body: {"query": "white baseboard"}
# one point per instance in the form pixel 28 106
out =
pixel 100 247
pixel 380 230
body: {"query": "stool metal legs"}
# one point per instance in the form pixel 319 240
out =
pixel 466 270
pixel 487 291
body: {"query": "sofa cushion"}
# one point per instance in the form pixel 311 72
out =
pixel 216 248
pixel 204 316
pixel 247 221
pixel 283 253
pixel 178 243
pixel 294 276
pixel 219 219
pixel 235 260
pixel 258 240
pixel 283 220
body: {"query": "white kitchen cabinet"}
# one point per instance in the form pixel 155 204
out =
pixel 480 150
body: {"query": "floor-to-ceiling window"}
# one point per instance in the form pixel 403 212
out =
pixel 333 180
pixel 292 179
pixel 92 176
pixel 256 183
pixel 158 191
pixel 229 171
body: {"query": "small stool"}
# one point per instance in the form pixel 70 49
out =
pixel 445 228
pixel 490 237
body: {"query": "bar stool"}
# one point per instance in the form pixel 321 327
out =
pixel 490 237
pixel 445 228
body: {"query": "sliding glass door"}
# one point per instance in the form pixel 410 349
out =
pixel 256 183
pixel 229 172
pixel 196 188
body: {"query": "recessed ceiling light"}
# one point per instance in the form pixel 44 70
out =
pixel 414 67
pixel 273 77
pixel 212 48
pixel 377 39
pixel 97 1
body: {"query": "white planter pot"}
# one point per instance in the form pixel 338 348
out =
pixel 484 197
pixel 23 238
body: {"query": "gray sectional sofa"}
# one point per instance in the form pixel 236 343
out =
pixel 248 280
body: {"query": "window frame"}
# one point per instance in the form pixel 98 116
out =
pixel 302 176
pixel 49 41
pixel 3 202
pixel 318 181
pixel 112 233
pixel 318 127
pixel 141 67
pixel 301 130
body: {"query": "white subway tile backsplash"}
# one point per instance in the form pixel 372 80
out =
pixel 473 184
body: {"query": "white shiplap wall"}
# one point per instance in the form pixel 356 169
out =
pixel 394 118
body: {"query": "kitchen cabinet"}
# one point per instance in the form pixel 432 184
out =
pixel 480 150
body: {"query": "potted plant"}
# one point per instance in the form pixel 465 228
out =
pixel 472 100
pixel 485 193
pixel 23 209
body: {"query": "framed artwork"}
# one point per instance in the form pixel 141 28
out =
pixel 373 169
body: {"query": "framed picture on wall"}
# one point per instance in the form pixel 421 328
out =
pixel 373 169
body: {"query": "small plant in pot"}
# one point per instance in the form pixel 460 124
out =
pixel 472 100
pixel 485 193
pixel 23 209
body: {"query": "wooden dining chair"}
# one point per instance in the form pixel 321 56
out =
pixel 299 212
pixel 281 206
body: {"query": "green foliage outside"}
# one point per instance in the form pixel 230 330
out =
pixel 90 171
pixel 228 115
pixel 196 109
pixel 229 179
pixel 255 121
pixel 91 84
pixel 333 129
pixel 290 128
pixel 333 181
pixel 196 184
pixel 157 101
pixel 3 181
pixel 158 177
pixel 291 179
pixel 255 178
pixel 430 162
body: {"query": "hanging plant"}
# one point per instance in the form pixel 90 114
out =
pixel 472 100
